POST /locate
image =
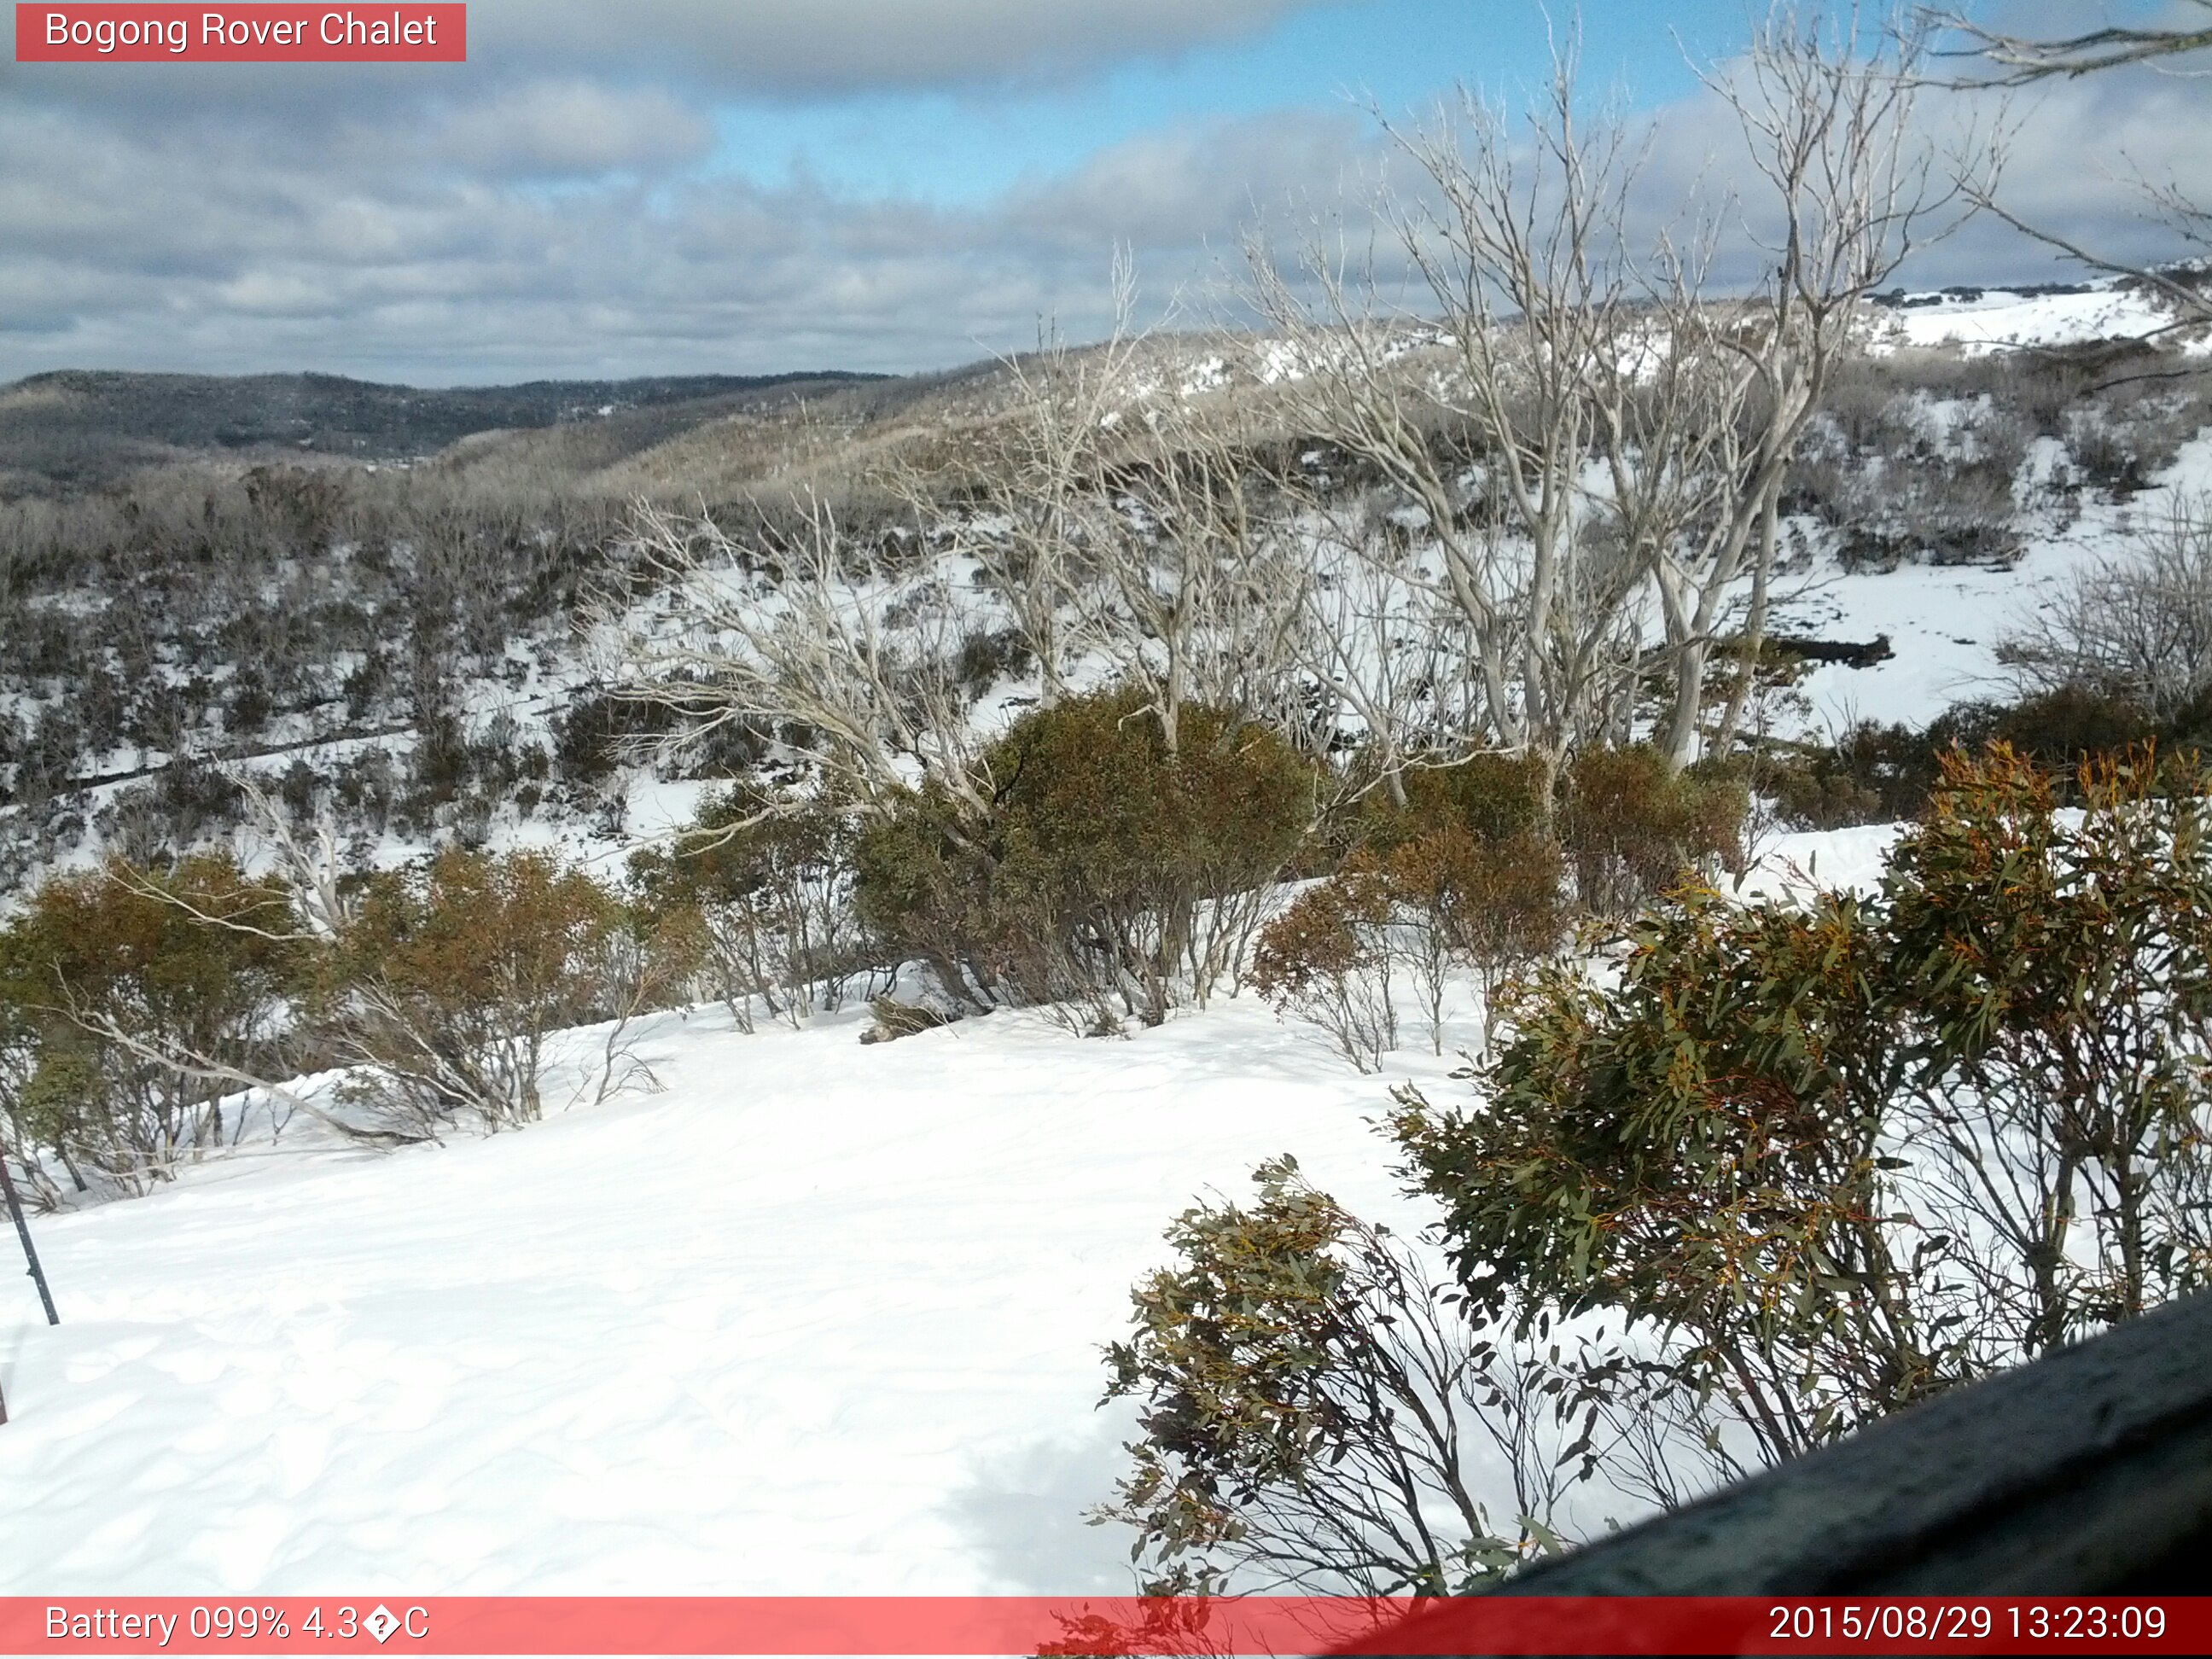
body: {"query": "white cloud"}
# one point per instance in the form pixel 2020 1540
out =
pixel 809 47
pixel 561 129
pixel 558 222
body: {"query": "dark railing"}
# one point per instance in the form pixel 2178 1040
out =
pixel 2087 1473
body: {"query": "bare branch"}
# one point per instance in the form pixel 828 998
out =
pixel 2022 59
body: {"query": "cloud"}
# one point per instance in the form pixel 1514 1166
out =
pixel 441 254
pixel 566 217
pixel 2074 157
pixel 228 259
pixel 561 129
pixel 1180 188
pixel 2081 151
pixel 799 48
pixel 777 50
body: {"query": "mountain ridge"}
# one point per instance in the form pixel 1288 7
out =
pixel 77 427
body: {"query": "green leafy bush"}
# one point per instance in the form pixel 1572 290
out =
pixel 763 888
pixel 1873 774
pixel 1881 773
pixel 1328 960
pixel 1440 904
pixel 1107 871
pixel 451 980
pixel 105 978
pixel 1833 1157
pixel 1490 797
pixel 2057 729
pixel 1493 907
pixel 1631 826
pixel 1308 1404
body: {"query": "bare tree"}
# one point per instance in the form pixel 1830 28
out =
pixel 1026 507
pixel 1200 580
pixel 1372 641
pixel 1852 188
pixel 813 630
pixel 2137 626
pixel 2023 60
pixel 1578 421
pixel 1480 414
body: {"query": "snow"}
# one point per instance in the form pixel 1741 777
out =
pixel 814 1317
pixel 1941 621
pixel 1996 319
pixel 1944 622
pixel 1793 865
pixel 818 1317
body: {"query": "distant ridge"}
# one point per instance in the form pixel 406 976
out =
pixel 81 425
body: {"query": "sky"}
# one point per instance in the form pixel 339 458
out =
pixel 616 187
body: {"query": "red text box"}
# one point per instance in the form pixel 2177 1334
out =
pixel 82 34
pixel 387 1623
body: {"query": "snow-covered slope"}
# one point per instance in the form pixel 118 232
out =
pixel 818 1317
pixel 1989 320
pixel 1944 622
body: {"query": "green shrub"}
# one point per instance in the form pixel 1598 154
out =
pixel 1834 1156
pixel 764 885
pixel 107 978
pixel 1492 796
pixel 1442 902
pixel 2057 729
pixel 1106 869
pixel 451 980
pixel 1493 907
pixel 1873 774
pixel 1631 826
pixel 921 886
pixel 1878 774
pixel 2057 977
pixel 1308 1407
pixel 1328 960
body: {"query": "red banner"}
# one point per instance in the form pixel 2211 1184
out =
pixel 1101 1625
pixel 79 34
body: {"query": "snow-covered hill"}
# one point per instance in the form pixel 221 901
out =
pixel 814 1317
pixel 308 661
pixel 1944 622
pixel 1981 320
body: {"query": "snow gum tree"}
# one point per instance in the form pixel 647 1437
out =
pixel 1588 427
pixel 1848 186
pixel 1481 414
pixel 854 642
